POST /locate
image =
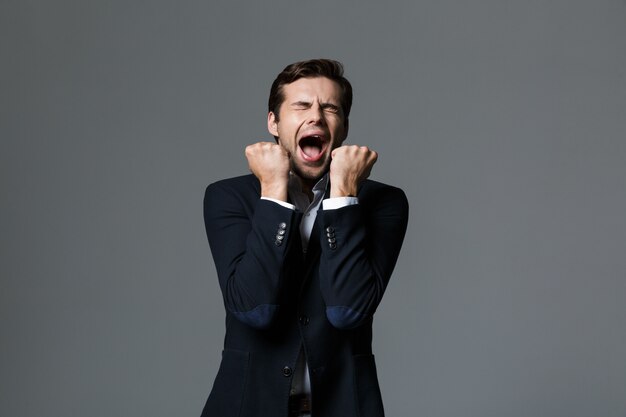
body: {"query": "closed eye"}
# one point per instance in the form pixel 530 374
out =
pixel 330 108
pixel 301 105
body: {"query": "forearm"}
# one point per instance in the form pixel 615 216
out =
pixel 360 246
pixel 249 247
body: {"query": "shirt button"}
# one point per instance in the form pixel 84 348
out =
pixel 287 371
pixel 304 320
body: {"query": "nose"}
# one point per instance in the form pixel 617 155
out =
pixel 316 115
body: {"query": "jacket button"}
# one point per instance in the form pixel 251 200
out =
pixel 304 320
pixel 287 371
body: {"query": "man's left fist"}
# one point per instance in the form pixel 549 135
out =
pixel 350 165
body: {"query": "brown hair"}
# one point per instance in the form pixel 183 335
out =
pixel 309 69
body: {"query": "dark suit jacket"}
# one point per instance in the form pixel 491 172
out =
pixel 278 298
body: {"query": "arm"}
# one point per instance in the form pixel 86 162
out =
pixel 360 243
pixel 242 234
pixel 355 270
pixel 249 237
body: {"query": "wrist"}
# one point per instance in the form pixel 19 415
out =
pixel 343 190
pixel 277 191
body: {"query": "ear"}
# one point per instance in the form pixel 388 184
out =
pixel 272 124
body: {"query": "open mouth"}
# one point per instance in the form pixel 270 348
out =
pixel 312 147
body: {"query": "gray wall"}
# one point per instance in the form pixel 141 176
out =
pixel 504 122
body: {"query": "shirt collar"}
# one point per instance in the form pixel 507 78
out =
pixel 299 198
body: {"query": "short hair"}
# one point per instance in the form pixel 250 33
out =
pixel 310 69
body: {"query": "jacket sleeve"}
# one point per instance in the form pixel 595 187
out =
pixel 249 241
pixel 360 245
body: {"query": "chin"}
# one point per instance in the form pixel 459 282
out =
pixel 310 174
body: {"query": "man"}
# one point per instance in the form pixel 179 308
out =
pixel 304 248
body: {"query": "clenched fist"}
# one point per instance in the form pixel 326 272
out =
pixel 350 165
pixel 269 162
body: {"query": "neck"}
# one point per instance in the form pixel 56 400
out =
pixel 306 185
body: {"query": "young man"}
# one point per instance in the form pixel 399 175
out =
pixel 304 248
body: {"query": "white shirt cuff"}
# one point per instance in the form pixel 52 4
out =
pixel 282 203
pixel 339 202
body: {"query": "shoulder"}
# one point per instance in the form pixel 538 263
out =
pixel 244 185
pixel 239 191
pixel 381 200
pixel 373 191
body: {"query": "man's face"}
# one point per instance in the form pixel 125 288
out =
pixel 310 125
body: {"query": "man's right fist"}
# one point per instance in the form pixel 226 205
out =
pixel 270 163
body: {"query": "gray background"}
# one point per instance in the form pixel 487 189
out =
pixel 504 122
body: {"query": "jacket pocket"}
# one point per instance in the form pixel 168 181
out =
pixel 226 397
pixel 369 400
